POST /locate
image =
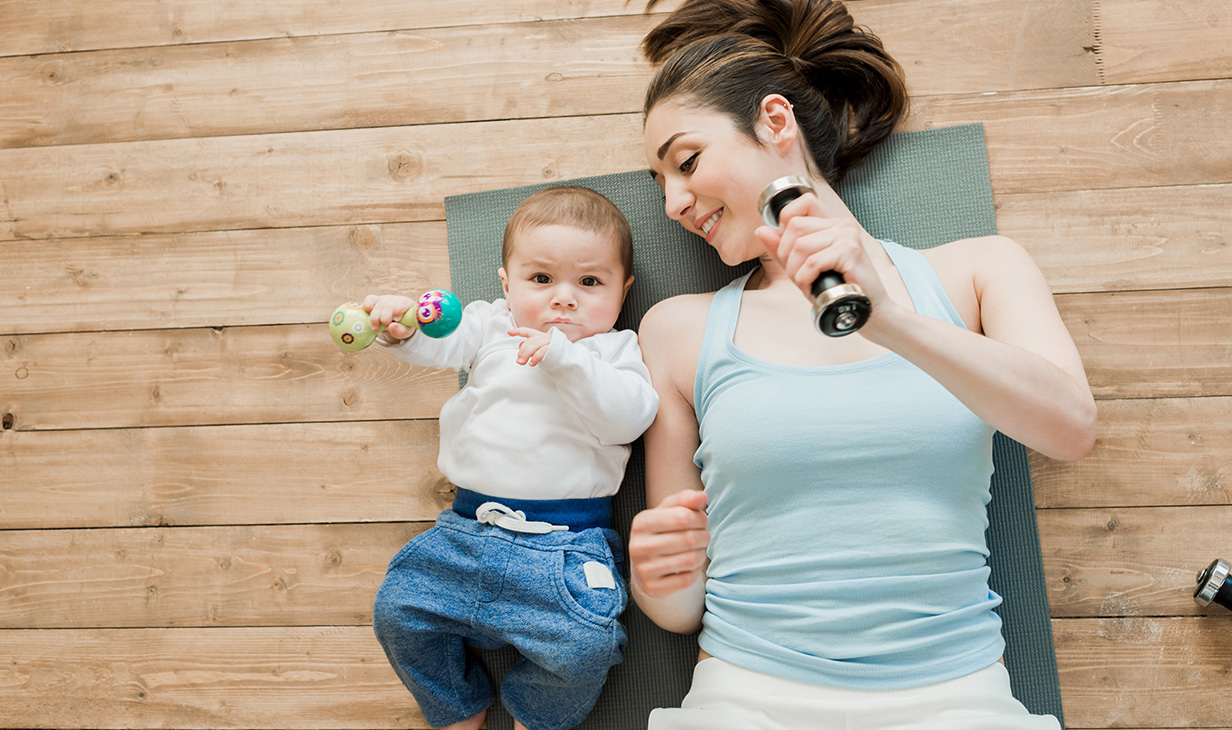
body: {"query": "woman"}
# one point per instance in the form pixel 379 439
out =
pixel 818 504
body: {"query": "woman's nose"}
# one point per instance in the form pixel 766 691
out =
pixel 677 200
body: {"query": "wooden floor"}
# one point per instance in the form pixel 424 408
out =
pixel 199 492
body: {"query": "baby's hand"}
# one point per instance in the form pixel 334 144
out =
pixel 534 348
pixel 386 310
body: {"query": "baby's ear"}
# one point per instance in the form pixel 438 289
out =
pixel 504 277
pixel 628 283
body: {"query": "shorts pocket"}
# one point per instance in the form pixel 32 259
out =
pixel 596 605
pixel 414 545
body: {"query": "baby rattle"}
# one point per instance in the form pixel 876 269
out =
pixel 437 314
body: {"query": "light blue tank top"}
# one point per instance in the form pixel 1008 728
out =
pixel 847 512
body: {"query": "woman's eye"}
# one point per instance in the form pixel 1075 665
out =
pixel 688 165
pixel 541 279
pixel 589 281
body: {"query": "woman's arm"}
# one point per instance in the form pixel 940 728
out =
pixel 667 542
pixel 1022 375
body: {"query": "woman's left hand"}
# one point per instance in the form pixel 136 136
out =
pixel 808 243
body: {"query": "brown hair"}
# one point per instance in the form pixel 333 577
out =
pixel 728 55
pixel 571 205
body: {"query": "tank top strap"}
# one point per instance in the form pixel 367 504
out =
pixel 720 328
pixel 922 284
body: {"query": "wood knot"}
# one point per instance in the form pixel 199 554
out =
pixel 52 73
pixel 6 422
pixel 334 558
pixel 22 373
pixel 349 398
pixel 364 237
pixel 10 347
pixel 405 165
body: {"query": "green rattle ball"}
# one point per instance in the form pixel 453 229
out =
pixel 351 326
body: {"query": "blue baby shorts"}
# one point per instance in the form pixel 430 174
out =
pixel 515 579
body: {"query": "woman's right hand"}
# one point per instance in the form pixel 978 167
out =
pixel 667 544
pixel 386 310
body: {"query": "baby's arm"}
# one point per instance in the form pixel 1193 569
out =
pixel 612 393
pixel 455 351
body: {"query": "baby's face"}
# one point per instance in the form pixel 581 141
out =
pixel 565 277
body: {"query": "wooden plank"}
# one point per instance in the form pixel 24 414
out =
pixel 1146 238
pixel 204 377
pixel 342 177
pixel 1149 451
pixel 331 82
pixel 472 73
pixel 1130 561
pixel 247 679
pixel 285 575
pixel 1096 138
pixel 252 277
pixel 1097 563
pixel 43 26
pixel 1116 240
pixel 1144 672
pixel 379 471
pixel 1043 141
pixel 1159 40
pixel 1125 672
pixel 1134 345
pixel 1158 344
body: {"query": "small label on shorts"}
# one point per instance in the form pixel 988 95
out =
pixel 598 575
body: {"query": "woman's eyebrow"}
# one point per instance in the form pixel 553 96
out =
pixel 663 147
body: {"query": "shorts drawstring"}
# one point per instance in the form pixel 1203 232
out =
pixel 495 513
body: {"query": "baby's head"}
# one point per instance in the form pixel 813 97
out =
pixel 567 262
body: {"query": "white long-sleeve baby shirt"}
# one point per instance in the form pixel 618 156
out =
pixel 558 430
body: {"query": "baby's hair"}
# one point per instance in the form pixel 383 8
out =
pixel 575 206
pixel 728 55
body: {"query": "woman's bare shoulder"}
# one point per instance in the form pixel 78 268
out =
pixel 676 315
pixel 963 265
pixel 971 254
pixel 674 327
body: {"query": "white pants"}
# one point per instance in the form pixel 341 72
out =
pixel 727 697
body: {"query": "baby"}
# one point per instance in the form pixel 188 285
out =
pixel 536 443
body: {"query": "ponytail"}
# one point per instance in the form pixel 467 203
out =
pixel 728 55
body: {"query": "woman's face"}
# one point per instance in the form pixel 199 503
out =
pixel 711 174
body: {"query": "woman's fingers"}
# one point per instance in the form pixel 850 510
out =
pixel 667 544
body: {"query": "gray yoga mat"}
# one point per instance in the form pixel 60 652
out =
pixel 919 189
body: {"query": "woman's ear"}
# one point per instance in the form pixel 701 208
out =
pixel 777 122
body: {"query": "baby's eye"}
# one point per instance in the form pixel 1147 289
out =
pixel 589 281
pixel 541 279
pixel 688 165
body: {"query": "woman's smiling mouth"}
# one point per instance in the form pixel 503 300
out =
pixel 709 223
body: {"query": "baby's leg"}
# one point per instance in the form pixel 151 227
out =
pixel 420 618
pixel 560 610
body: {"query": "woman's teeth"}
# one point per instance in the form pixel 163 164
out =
pixel 709 222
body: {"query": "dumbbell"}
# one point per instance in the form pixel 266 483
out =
pixel 839 308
